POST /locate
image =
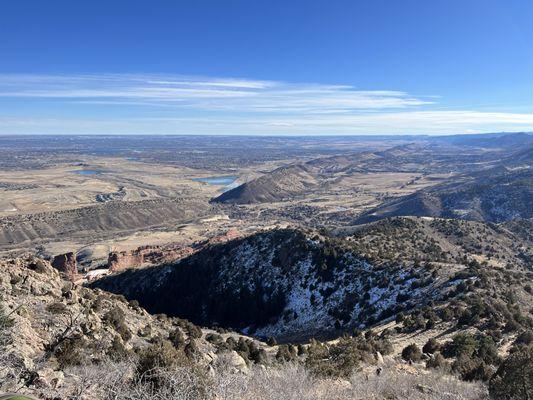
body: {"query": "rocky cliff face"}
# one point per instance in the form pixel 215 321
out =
pixel 121 260
pixel 151 255
pixel 155 255
pixel 55 325
pixel 66 264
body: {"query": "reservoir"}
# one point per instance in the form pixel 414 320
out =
pixel 87 172
pixel 226 181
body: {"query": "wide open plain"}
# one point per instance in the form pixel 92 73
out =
pixel 93 195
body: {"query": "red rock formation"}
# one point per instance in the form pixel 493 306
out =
pixel 118 261
pixel 153 255
pixel 66 264
pixel 146 255
pixel 167 254
pixel 229 235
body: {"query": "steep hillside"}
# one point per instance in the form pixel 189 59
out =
pixel 58 339
pixel 293 286
pixel 522 157
pixel 103 219
pixel 495 195
pixel 62 341
pixel 429 239
pixel 280 184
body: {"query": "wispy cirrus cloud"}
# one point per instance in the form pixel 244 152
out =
pixel 168 104
pixel 238 95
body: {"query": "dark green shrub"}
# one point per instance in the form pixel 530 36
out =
pixel 193 331
pixel 431 346
pixel 231 342
pixel 116 318
pixel 369 334
pixel 97 304
pixel 5 321
pixel 214 338
pixel 117 351
pixel 285 353
pixel 243 348
pixel 134 304
pixel 160 355
pixel 463 344
pixel 524 339
pixel 446 314
pixel 66 289
pixel 411 353
pixel 437 361
pixel 145 331
pixel 384 346
pixel 512 326
pixel 471 368
pixel 413 323
pixel 337 360
pixel 430 324
pixel 191 349
pixel 177 338
pixel 514 378
pixel 257 355
pixel 223 347
pixel 123 330
pixel 487 350
pixel 70 352
pixel 483 372
pixel 38 266
pixel 467 318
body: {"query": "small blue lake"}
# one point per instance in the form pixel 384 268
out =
pixel 226 181
pixel 87 172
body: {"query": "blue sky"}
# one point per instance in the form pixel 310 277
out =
pixel 266 67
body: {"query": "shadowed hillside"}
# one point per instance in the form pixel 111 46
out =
pixel 293 285
pixel 495 195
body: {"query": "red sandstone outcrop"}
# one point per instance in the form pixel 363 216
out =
pixel 66 264
pixel 229 235
pixel 118 261
pixel 153 255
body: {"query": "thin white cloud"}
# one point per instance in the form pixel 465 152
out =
pixel 166 104
pixel 232 95
pixel 231 83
